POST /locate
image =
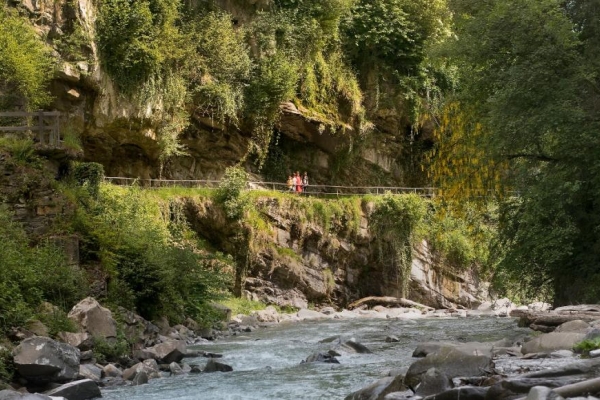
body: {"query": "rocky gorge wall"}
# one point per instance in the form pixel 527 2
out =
pixel 122 131
pixel 296 258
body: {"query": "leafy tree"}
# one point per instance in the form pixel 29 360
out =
pixel 138 38
pixel 526 122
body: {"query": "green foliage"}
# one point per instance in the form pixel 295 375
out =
pixel 231 192
pixel 57 321
pixel 30 275
pixel 138 39
pixel 111 351
pixel 88 175
pixel 525 90
pixel 585 346
pixel 21 150
pixel 240 305
pixel 274 81
pixel 26 64
pixel 398 225
pixel 387 32
pixel 154 267
pixel 71 139
pixel 462 236
pixel 7 368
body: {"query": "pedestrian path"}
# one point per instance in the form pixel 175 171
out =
pixel 311 190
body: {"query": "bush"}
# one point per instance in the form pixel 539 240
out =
pixel 153 267
pixel 106 351
pixel 30 275
pixel 584 347
pixel 26 64
pixel 231 194
pixel 89 175
pixel 137 39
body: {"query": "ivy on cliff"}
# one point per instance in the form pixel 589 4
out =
pixel 26 64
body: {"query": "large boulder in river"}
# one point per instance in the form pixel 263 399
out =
pixel 321 358
pixel 78 390
pixel 216 366
pixel 549 342
pixel 451 362
pixel 94 319
pixel 41 359
pixel 379 389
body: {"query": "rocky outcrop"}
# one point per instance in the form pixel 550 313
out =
pixel 294 260
pixel 41 359
pixel 164 353
pixel 94 319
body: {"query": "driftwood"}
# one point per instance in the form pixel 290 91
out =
pixel 387 301
pixel 547 321
pixel 591 386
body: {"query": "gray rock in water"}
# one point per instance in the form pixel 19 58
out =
pixel 432 382
pixel 195 369
pixel 165 353
pixel 140 378
pixel 451 362
pixel 41 359
pixel 379 389
pixel 593 334
pixel 576 325
pixel 541 393
pixel 12 395
pixel 461 393
pixel 594 353
pixel 215 366
pixel 356 347
pixel 321 357
pixel 149 367
pixel 549 342
pixel 562 354
pixel 90 371
pixel 111 371
pixel 175 369
pixel 331 339
pixel 78 390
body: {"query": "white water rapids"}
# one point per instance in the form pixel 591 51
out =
pixel 266 363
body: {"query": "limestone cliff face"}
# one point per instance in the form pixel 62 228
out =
pixel 295 260
pixel 121 132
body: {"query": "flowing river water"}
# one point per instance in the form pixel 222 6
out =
pixel 266 363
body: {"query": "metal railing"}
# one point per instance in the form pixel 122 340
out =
pixel 311 190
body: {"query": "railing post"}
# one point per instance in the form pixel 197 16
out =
pixel 41 127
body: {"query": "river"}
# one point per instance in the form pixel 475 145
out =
pixel 266 362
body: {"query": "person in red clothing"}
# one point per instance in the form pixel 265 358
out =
pixel 298 182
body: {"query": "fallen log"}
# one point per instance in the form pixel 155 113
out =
pixel 591 386
pixel 388 301
pixel 548 321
